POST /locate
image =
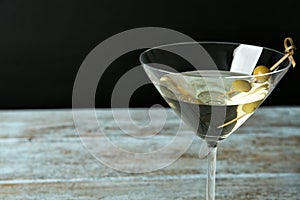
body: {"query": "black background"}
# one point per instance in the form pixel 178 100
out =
pixel 43 43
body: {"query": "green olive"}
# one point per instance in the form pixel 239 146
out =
pixel 241 85
pixel 260 70
pixel 250 107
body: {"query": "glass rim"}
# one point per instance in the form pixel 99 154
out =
pixel 215 42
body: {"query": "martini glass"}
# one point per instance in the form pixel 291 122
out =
pixel 211 86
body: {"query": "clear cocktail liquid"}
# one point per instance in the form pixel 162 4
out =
pixel 206 100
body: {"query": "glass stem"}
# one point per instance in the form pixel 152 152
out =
pixel 211 173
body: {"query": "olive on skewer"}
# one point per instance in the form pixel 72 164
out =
pixel 259 72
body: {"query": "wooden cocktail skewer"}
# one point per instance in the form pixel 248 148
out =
pixel 247 108
pixel 231 121
pixel 289 51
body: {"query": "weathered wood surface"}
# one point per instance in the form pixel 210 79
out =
pixel 42 157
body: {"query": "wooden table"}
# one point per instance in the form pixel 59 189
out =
pixel 42 157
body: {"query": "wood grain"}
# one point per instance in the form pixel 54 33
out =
pixel 42 157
